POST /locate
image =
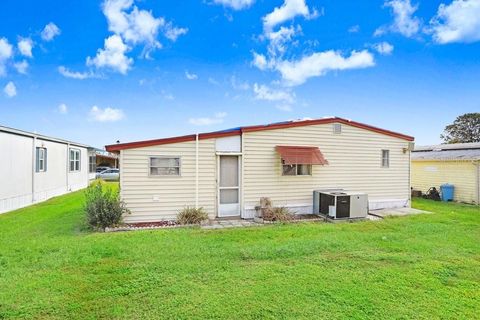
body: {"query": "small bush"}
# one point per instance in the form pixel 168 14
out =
pixel 190 215
pixel 103 206
pixel 277 214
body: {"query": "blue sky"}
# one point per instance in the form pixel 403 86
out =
pixel 101 71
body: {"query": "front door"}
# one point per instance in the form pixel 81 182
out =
pixel 229 186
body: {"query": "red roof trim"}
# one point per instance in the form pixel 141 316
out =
pixel 210 135
pixel 156 142
pixel 325 121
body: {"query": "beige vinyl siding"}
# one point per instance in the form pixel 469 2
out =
pixel 462 174
pixel 354 158
pixel 152 198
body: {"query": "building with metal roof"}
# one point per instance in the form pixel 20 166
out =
pixel 457 164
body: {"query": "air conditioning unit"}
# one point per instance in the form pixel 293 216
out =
pixel 340 204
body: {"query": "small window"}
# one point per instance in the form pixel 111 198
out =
pixel 385 158
pixel 296 169
pixel 92 163
pixel 74 160
pixel 163 166
pixel 41 165
pixel 337 128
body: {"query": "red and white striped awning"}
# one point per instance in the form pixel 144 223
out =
pixel 301 155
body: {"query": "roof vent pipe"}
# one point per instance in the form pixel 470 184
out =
pixel 196 170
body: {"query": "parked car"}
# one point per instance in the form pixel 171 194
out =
pixel 109 175
pixel 100 169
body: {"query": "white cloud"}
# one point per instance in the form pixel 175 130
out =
pixel 106 115
pixel 6 49
pixel 239 85
pixel 168 96
pixel 62 108
pixel 213 81
pixel 235 4
pixel 404 22
pixel 284 107
pixel 137 26
pixel 354 29
pixel 260 61
pixel 262 92
pixel 25 46
pixel 456 22
pixel 384 48
pixel 75 74
pixel 6 52
pixel 279 39
pixel 143 27
pixel 206 121
pixel 289 10
pixel 319 63
pixel 50 31
pixel 131 27
pixel 173 33
pixel 112 56
pixel 10 90
pixel 21 67
pixel 191 76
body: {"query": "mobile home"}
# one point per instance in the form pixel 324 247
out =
pixel 227 172
pixel 35 167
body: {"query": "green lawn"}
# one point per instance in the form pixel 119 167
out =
pixel 425 266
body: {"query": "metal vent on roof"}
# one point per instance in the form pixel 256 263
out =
pixel 337 128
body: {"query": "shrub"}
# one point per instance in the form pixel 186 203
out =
pixel 190 215
pixel 103 206
pixel 277 214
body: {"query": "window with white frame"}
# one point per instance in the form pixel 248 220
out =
pixel 296 169
pixel 74 160
pixel 41 164
pixel 385 158
pixel 92 163
pixel 164 166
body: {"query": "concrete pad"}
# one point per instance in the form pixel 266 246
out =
pixel 396 212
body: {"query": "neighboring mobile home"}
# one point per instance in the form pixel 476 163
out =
pixel 227 172
pixel 34 168
pixel 457 164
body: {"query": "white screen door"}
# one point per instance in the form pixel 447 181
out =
pixel 229 187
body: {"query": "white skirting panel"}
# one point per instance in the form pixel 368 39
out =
pixel 132 218
pixel 249 212
pixel 47 194
pixel 13 203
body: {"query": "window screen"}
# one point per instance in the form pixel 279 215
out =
pixel 165 166
pixel 385 158
pixel 296 169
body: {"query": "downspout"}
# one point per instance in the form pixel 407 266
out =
pixel 196 170
pixel 34 161
pixel 478 182
pixel 68 165
pixel 242 202
pixel 409 178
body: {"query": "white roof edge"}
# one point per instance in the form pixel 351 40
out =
pixel 452 146
pixel 40 136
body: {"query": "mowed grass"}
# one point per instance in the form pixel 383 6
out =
pixel 418 267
